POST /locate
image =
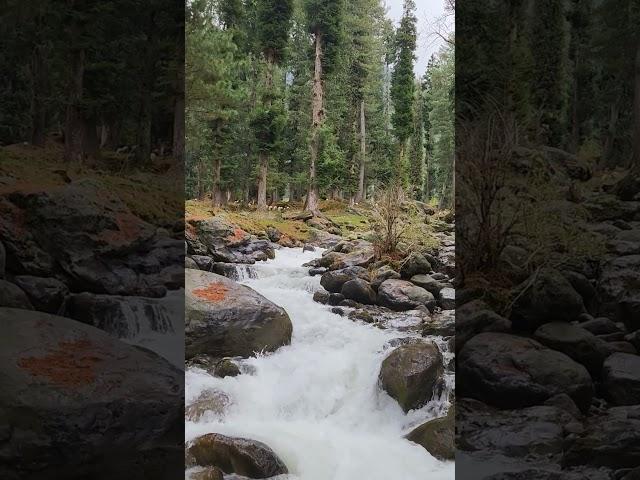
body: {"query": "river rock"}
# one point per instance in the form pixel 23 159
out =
pixel 204 262
pixel 546 297
pixel 447 298
pixel 576 342
pixel 333 280
pixel 226 319
pixel 476 317
pixel 442 324
pixel 610 440
pixel 45 294
pixel 411 372
pixel 335 299
pixel 12 296
pixel 414 264
pixel 207 473
pixel 226 368
pixel 512 263
pixel 620 277
pixel 64 382
pixel 242 456
pixel 321 296
pixel 213 400
pixel 190 263
pixel 381 274
pixel 360 291
pixel 621 379
pixel 402 295
pixel 437 436
pixel 428 283
pixel 600 326
pixel 486 372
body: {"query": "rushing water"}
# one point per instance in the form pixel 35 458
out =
pixel 316 402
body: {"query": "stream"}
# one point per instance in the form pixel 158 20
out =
pixel 316 402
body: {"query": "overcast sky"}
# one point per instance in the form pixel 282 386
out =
pixel 427 11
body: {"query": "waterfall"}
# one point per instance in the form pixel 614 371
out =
pixel 317 402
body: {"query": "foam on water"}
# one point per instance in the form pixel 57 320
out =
pixel 316 402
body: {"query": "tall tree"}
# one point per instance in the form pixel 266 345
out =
pixel 403 82
pixel 324 19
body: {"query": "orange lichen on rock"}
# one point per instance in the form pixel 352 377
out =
pixel 214 292
pixel 237 236
pixel 128 229
pixel 71 364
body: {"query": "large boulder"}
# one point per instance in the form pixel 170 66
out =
pixel 476 317
pixel 359 290
pixel 414 264
pixel 226 319
pixel 621 379
pixel 576 342
pixel 77 403
pixel 437 436
pixel 12 296
pixel 241 456
pixel 410 374
pixel 333 280
pixel 620 277
pixel 381 274
pixel 45 294
pixel 508 371
pixel 402 295
pixel 546 297
pixel 428 283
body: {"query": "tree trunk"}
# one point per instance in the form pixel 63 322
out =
pixel 90 140
pixel 39 92
pixel 216 196
pixel 178 108
pixel 263 168
pixel 74 123
pixel 360 196
pixel 317 118
pixel 400 158
pixel 143 136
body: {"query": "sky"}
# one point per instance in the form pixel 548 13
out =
pixel 427 12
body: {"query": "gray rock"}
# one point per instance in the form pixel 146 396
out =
pixel 475 317
pixel 321 296
pixel 402 295
pixel 621 379
pixel 383 273
pixel 335 299
pixel 333 280
pixel 204 262
pixel 600 326
pixel 226 319
pixel 45 294
pixel 3 261
pixel 437 436
pixel 360 291
pixel 428 283
pixel 12 296
pixel 226 368
pixel 190 263
pixel 486 372
pixel 447 298
pixel 414 264
pixel 411 373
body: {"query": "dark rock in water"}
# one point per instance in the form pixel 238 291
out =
pixel 362 315
pixel 411 372
pixel 236 455
pixel 226 368
pixel 335 299
pixel 437 436
pixel 428 283
pixel 621 379
pixel 546 297
pixel 45 294
pixel 475 317
pixel 321 296
pixel 204 262
pixel 308 248
pixel 12 296
pixel 402 295
pixel 190 263
pixel 226 319
pixel 486 372
pixel 383 273
pixel 333 281
pixel 610 440
pixel 414 264
pixel 214 401
pixel 337 311
pixel 441 324
pixel 317 271
pixel 347 302
pixel 225 269
pixel 94 404
pixel 576 342
pixel 447 298
pixel 360 291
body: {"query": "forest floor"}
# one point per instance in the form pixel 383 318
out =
pixel 155 195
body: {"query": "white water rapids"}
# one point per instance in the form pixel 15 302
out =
pixel 316 402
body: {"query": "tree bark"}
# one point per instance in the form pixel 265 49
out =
pixel 74 122
pixel 38 94
pixel 216 196
pixel 360 196
pixel 178 107
pixel 264 157
pixel 317 117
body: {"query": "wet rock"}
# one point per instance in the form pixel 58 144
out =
pixel 236 455
pixel 77 375
pixel 362 315
pixel 333 281
pixel 576 342
pixel 317 271
pixel 190 263
pixel 486 372
pixel 381 274
pixel 411 372
pixel 226 319
pixel 447 298
pixel 208 473
pixel 321 296
pixel 337 311
pixel 402 295
pixel 475 317
pixel 359 290
pixel 12 296
pixel 548 296
pixel 226 368
pixel 428 283
pixel 600 326
pixel 308 248
pixel 335 299
pixel 437 436
pixel 45 294
pixel 414 264
pixel 204 262
pixel 611 440
pixel 214 401
pixel 621 379
pixel 441 324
